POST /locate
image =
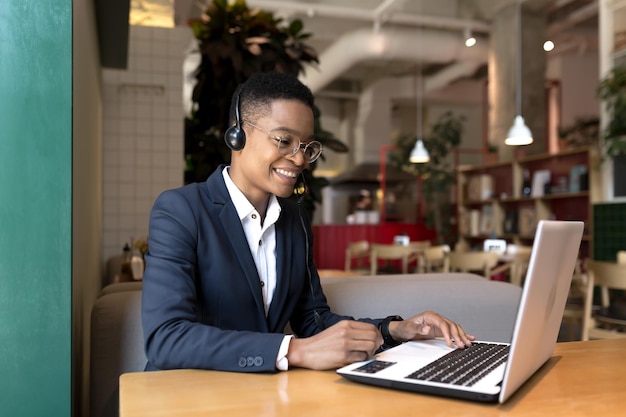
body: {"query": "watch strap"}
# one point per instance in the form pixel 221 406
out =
pixel 383 327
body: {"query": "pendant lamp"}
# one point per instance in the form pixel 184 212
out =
pixel 519 133
pixel 419 154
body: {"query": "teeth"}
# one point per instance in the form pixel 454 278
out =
pixel 287 173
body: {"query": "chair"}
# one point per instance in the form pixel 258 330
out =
pixel 121 286
pixel 480 262
pixel 360 252
pixel 621 257
pixel 116 348
pixel 575 306
pixel 113 268
pixel 418 246
pixel 432 259
pixel 608 322
pixel 389 253
pixel 518 257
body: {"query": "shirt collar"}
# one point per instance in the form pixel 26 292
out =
pixel 242 204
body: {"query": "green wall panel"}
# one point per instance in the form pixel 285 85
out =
pixel 35 207
pixel 609 230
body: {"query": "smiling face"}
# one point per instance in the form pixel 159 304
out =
pixel 259 170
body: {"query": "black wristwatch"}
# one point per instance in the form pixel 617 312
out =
pixel 383 326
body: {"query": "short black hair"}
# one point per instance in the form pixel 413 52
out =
pixel 262 88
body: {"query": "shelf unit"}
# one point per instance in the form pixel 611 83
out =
pixel 500 209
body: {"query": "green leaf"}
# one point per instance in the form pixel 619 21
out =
pixel 295 27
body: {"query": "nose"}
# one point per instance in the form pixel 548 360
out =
pixel 299 157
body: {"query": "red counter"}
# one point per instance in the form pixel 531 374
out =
pixel 331 240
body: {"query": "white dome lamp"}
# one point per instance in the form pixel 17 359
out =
pixel 419 154
pixel 519 134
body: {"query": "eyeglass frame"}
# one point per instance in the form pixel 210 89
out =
pixel 301 145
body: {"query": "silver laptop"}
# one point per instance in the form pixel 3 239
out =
pixel 491 372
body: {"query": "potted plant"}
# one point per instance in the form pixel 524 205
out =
pixel 491 156
pixel 235 42
pixel 585 131
pixel 438 175
pixel 612 91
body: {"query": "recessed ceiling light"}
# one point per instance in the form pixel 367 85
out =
pixel 548 46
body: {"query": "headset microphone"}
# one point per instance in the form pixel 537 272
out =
pixel 316 316
pixel 303 193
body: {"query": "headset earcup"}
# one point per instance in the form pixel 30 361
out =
pixel 235 138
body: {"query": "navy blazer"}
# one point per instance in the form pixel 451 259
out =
pixel 202 305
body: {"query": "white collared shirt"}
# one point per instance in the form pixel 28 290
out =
pixel 261 238
pixel 262 242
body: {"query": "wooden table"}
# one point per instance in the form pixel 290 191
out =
pixel 581 379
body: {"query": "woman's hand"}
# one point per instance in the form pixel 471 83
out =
pixel 428 325
pixel 341 344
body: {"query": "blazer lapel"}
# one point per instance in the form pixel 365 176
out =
pixel 284 247
pixel 233 230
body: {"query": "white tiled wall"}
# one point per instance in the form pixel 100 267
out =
pixel 143 131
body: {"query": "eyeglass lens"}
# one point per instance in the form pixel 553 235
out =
pixel 288 144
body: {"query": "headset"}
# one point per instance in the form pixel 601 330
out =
pixel 316 316
pixel 235 137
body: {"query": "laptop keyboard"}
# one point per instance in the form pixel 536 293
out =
pixel 464 366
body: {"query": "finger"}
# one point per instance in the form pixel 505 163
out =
pixel 458 335
pixel 449 330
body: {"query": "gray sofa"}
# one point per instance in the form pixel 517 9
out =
pixel 485 308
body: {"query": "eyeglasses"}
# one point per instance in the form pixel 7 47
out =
pixel 288 144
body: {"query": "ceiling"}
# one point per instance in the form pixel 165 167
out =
pixel 572 25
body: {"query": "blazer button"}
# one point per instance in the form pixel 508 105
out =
pixel 242 362
pixel 250 361
pixel 258 361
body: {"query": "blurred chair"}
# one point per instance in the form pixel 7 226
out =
pixel 433 258
pixel 418 246
pixel 609 322
pixel 621 257
pixel 478 262
pixel 357 252
pixel 116 342
pixel 113 268
pixel 575 306
pixel 388 253
pixel 517 258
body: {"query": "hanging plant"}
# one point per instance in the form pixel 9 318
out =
pixel 235 42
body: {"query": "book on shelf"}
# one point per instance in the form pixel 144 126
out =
pixel 474 223
pixel 578 179
pixel 480 187
pixel 541 178
pixel 510 223
pixel 487 226
pixel 527 221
